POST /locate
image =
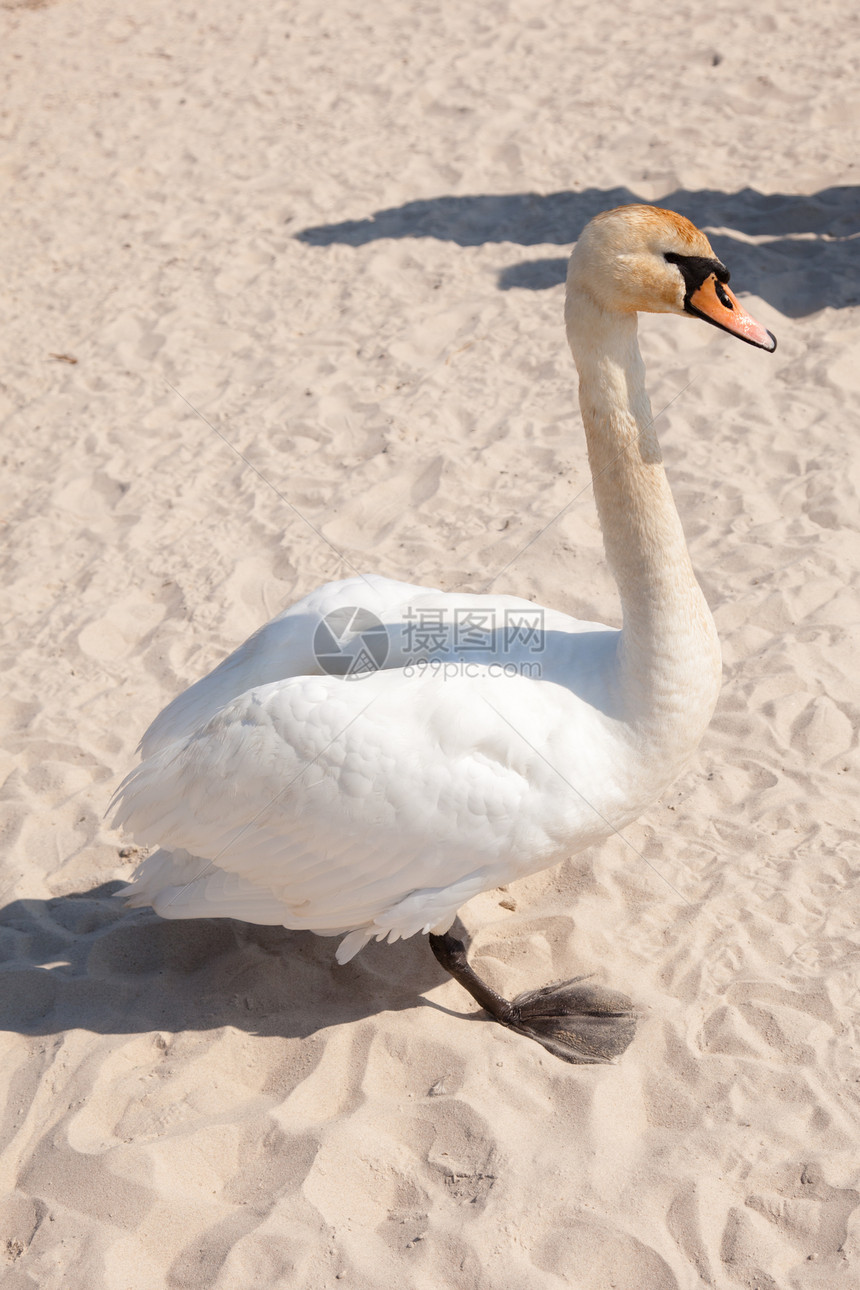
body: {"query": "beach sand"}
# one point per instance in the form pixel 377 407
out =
pixel 283 298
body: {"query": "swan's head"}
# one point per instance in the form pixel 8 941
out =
pixel 640 259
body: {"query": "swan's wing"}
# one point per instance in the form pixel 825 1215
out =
pixel 382 803
pixel 414 623
pixel 281 648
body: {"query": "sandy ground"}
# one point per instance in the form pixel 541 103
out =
pixel 338 233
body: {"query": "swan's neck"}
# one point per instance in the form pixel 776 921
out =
pixel 668 662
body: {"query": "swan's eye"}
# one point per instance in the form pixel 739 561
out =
pixel 697 268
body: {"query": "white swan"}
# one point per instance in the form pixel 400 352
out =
pixel 279 793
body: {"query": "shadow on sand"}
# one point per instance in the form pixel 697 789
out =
pixel 810 260
pixel 84 961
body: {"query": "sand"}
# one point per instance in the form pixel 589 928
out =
pixel 283 298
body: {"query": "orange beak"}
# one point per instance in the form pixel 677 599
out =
pixel 715 303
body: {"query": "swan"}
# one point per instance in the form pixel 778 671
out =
pixel 379 753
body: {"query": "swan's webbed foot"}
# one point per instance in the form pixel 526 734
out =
pixel 577 1022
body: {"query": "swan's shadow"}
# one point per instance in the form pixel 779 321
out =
pixel 810 260
pixel 85 962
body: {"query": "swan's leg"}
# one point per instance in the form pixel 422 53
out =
pixel 575 1021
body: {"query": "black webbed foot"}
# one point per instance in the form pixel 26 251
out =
pixel 576 1022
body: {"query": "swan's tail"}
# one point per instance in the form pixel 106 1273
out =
pixel 179 885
